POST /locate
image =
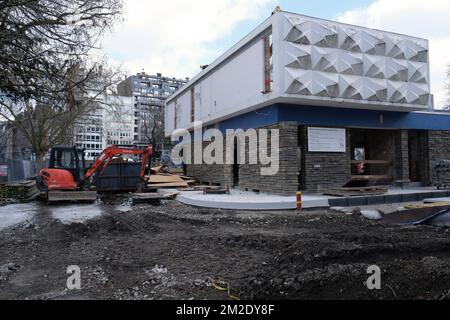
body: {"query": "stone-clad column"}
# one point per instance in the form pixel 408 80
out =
pixel 402 158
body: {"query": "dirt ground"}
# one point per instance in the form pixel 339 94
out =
pixel 173 251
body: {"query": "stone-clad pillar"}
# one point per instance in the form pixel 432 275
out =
pixel 402 158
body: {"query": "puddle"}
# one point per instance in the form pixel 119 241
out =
pixel 75 213
pixel 13 214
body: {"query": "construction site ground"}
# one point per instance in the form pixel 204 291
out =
pixel 173 251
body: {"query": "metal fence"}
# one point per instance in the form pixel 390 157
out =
pixel 16 170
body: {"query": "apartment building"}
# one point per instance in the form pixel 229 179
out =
pixel 149 93
pixel 111 121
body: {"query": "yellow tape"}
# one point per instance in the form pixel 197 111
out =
pixel 224 287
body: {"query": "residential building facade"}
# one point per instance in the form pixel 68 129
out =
pixel 149 93
pixel 111 122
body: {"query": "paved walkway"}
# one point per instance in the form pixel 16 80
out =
pixel 252 201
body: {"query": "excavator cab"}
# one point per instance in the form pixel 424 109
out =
pixel 70 159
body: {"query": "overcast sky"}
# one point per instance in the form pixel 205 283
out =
pixel 175 37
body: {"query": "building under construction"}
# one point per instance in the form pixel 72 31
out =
pixel 351 104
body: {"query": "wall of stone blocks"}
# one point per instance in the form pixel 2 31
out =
pixel 285 182
pixel 320 171
pixel 439 149
pixel 215 174
pixel 402 157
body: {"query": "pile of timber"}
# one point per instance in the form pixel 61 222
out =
pixel 161 178
pixel 18 191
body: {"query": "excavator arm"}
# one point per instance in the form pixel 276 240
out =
pixel 109 153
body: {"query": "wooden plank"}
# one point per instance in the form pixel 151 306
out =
pixel 157 169
pixel 428 205
pixel 168 185
pixel 156 179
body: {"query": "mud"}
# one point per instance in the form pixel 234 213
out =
pixel 176 252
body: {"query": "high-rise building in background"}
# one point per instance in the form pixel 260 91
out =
pixel 111 122
pixel 149 93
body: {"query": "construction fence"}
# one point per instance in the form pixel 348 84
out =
pixel 17 170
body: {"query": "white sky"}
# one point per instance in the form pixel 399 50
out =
pixel 176 36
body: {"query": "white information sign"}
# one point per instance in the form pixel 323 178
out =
pixel 327 140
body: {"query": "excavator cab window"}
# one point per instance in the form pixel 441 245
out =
pixel 65 159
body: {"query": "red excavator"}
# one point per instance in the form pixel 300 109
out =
pixel 67 179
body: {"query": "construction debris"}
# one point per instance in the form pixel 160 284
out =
pixel 372 214
pixel 18 191
pixel 414 216
pixel 153 198
pixel 161 178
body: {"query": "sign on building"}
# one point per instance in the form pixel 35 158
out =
pixel 327 140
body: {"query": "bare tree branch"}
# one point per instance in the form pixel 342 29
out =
pixel 47 78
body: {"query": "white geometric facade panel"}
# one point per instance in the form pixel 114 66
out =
pixel 353 62
pixel 310 83
pixel 361 88
pixel 313 33
pixel 374 66
pixel 417 72
pixel 300 56
pixel 397 70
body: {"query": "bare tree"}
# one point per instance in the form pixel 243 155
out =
pixel 47 75
pixel 153 127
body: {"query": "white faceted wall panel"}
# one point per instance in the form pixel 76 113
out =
pixel 327 59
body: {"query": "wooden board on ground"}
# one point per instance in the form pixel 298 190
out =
pixel 19 190
pixel 414 216
pixel 153 186
pixel 428 205
pixel 157 179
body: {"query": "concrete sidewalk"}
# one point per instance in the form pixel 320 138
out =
pixel 240 200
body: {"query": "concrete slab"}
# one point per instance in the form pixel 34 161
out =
pixel 239 200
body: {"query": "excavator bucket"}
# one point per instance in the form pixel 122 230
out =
pixel 71 196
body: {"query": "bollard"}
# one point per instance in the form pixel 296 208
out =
pixel 299 201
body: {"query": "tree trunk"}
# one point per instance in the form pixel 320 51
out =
pixel 39 162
